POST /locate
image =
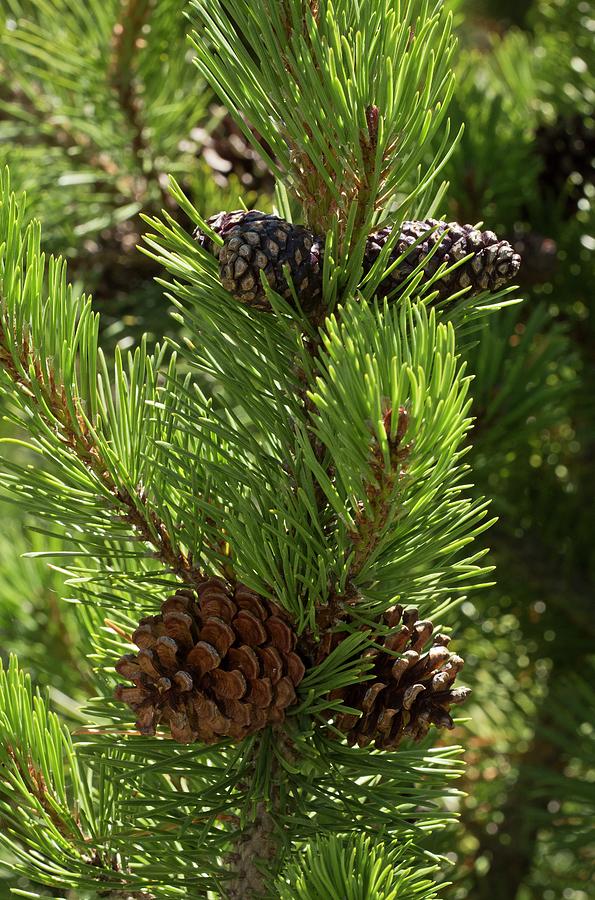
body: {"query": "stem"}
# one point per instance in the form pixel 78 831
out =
pixel 372 523
pixel 70 828
pixel 255 853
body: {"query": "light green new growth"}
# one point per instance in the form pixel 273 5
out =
pixel 348 97
pixel 56 818
pixel 357 869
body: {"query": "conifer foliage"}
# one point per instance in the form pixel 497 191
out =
pixel 267 519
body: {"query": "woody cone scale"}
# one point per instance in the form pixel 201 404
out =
pixel 215 664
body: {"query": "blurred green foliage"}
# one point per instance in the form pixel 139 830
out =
pixel 525 166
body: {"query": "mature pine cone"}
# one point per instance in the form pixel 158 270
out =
pixel 215 664
pixel 255 241
pixel 409 691
pixel 494 263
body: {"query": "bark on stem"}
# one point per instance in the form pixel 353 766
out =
pixel 253 858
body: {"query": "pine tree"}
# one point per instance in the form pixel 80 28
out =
pixel 270 494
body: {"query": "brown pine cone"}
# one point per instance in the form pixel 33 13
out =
pixel 410 690
pixel 255 242
pixel 493 265
pixel 216 664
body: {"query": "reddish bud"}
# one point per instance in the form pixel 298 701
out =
pixel 402 425
pixel 372 119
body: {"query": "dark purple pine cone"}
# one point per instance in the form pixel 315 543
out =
pixel 255 241
pixel 493 265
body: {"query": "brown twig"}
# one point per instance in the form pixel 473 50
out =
pixel 365 536
pixel 70 827
pixel 38 789
pixel 256 849
pixel 256 853
pixel 372 522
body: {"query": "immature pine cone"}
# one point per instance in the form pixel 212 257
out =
pixel 494 263
pixel 220 665
pixel 255 242
pixel 408 692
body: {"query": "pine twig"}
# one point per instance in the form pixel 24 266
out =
pixel 78 438
pixel 256 852
pixel 38 789
pixel 371 524
pixel 257 847
pixel 70 828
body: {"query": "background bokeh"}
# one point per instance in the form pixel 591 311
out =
pixel 91 127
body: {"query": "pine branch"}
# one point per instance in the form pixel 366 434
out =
pixel 55 374
pixel 66 412
pixel 98 169
pixel 52 812
pixel 372 522
pixel 304 498
pixel 254 855
pixel 383 71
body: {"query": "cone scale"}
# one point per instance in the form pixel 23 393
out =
pixel 212 665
